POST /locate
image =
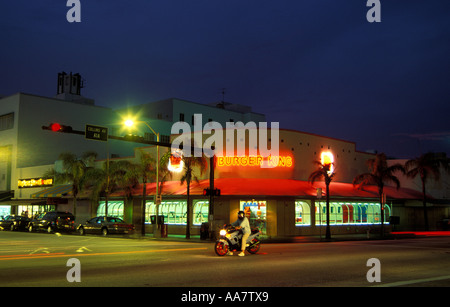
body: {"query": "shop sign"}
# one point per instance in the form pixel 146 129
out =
pixel 271 161
pixel 35 182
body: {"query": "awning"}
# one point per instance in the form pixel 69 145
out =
pixel 274 187
pixel 56 191
pixel 6 195
pixel 24 202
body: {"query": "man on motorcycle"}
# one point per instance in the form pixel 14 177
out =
pixel 242 223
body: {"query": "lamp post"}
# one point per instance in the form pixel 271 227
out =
pixel 130 123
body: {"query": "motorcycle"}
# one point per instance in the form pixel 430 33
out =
pixel 231 239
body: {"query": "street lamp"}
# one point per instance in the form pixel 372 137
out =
pixel 130 123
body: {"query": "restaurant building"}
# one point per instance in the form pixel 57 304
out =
pixel 277 199
pixel 280 200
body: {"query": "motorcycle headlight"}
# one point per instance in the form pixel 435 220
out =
pixel 223 232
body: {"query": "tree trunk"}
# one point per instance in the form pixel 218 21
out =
pixel 188 213
pixel 74 207
pixel 106 205
pixel 380 192
pixel 144 194
pixel 425 213
pixel 328 229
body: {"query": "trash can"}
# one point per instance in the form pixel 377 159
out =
pixel 204 231
pixel 164 229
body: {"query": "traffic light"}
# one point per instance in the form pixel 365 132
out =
pixel 56 127
pixel 207 192
pixel 133 138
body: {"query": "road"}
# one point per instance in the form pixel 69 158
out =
pixel 40 259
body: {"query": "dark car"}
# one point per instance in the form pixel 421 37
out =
pixel 14 222
pixel 105 225
pixel 53 221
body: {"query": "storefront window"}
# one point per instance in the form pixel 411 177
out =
pixel 201 211
pixel 351 213
pixel 256 212
pixel 33 210
pixel 115 209
pixel 175 212
pixel 302 214
pixel 5 210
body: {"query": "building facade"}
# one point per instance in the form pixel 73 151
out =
pixel 277 199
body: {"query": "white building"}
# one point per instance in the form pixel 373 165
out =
pixel 27 151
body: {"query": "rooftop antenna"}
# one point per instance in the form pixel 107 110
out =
pixel 223 95
pixel 222 103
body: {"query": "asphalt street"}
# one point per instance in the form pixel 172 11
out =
pixel 41 259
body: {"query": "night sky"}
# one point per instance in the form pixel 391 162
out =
pixel 312 65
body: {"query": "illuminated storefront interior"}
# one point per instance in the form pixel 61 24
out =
pixel 302 213
pixel 351 213
pixel 33 210
pixel 5 210
pixel 341 213
pixel 263 200
pixel 175 212
pixel 115 208
pixel 256 212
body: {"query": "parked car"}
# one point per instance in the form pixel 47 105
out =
pixel 14 222
pixel 105 225
pixel 53 221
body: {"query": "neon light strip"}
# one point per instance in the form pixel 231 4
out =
pixel 275 161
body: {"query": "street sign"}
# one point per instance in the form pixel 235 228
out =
pixel 96 133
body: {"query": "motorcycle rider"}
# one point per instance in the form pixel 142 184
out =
pixel 242 223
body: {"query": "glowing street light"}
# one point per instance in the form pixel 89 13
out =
pixel 327 158
pixel 129 123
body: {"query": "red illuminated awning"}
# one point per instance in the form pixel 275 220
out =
pixel 275 187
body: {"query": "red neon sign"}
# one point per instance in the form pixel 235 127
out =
pixel 273 161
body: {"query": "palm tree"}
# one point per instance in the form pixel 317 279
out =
pixel 379 174
pixel 426 166
pixel 144 171
pixel 74 170
pixel 164 172
pixel 103 181
pixel 190 163
pixel 324 171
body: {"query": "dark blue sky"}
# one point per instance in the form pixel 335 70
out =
pixel 313 65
